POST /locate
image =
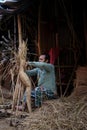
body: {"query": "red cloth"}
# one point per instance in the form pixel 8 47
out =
pixel 54 53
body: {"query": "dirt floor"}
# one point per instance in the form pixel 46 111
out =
pixel 4 125
pixel 11 122
pixel 7 117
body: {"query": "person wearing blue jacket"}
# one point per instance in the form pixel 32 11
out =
pixel 46 79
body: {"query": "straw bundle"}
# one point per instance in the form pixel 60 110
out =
pixel 22 80
pixel 80 82
pixel 81 76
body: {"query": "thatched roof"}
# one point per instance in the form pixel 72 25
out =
pixel 14 6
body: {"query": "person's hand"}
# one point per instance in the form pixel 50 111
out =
pixel 26 64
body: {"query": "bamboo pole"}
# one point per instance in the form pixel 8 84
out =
pixel 39 46
pixel 15 32
pixel 19 30
pixel 59 67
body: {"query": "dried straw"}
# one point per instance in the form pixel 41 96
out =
pixel 80 89
pixel 22 76
pixel 61 114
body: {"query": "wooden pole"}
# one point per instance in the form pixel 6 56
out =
pixel 15 32
pixel 19 30
pixel 22 76
pixel 85 31
pixel 39 46
pixel 59 69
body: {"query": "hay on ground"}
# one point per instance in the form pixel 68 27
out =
pixel 60 114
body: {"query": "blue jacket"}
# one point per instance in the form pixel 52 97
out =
pixel 45 73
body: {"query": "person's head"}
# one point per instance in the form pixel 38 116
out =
pixel 44 58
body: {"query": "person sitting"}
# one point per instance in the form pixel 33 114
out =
pixel 46 79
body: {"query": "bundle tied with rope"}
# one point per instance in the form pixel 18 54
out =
pixel 23 81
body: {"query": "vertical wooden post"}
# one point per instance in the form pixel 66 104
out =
pixel 60 84
pixel 85 31
pixel 22 78
pixel 15 32
pixel 19 31
pixel 38 44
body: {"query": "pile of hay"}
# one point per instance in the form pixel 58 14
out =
pixel 59 114
pixel 64 113
pixel 80 83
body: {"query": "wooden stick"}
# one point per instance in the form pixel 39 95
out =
pixel 19 30
pixel 39 46
pixel 22 76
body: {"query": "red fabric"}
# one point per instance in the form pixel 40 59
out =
pixel 54 53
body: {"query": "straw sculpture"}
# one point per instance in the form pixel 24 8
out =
pixel 23 82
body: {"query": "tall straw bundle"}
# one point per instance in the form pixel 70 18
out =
pixel 22 79
pixel 81 75
pixel 80 82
